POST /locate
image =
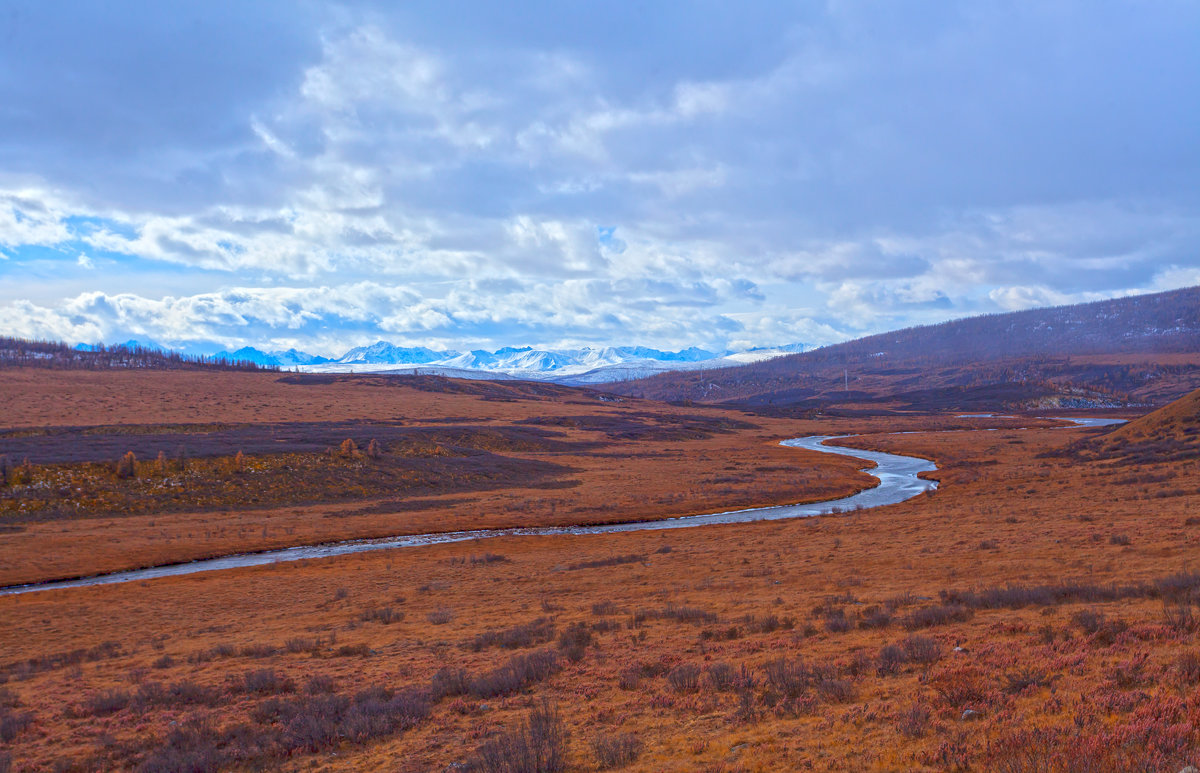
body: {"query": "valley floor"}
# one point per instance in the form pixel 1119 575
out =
pixel 1038 612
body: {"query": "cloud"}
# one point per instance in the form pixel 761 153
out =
pixel 463 314
pixel 709 175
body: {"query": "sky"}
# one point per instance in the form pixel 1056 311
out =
pixel 464 175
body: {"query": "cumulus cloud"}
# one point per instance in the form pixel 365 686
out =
pixel 459 314
pixel 724 176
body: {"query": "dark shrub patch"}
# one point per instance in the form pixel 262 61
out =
pixel 721 676
pixel 929 617
pixel 537 746
pixel 914 721
pixel 687 614
pixel 684 677
pixel 574 641
pixel 875 617
pixel 450 681
pixel 538 631
pixel 384 615
pixel 1102 630
pixel 519 672
pixel 617 750
pixel 107 702
pixel 264 681
pixel 1025 678
pixel 604 608
pixel 154 694
pixel 922 649
pixel 13 722
pixel 836 690
pixel 632 558
pixel 891 658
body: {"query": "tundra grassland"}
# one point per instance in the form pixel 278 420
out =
pixel 1038 612
pixel 131 469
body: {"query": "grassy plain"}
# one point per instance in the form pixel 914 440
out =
pixel 1038 612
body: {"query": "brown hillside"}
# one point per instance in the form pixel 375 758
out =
pixel 1170 433
pixel 1178 421
pixel 1141 349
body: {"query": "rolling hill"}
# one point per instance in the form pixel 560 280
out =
pixel 1136 350
pixel 1167 434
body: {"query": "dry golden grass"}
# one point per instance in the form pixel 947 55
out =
pixel 209 511
pixel 1095 669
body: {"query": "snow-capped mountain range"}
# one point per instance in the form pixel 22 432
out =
pixel 587 365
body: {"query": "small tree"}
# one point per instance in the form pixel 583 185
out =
pixel 24 474
pixel 239 463
pixel 373 449
pixel 348 448
pixel 181 458
pixel 3 471
pixel 161 464
pixel 127 466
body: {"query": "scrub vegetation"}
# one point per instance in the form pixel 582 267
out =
pixel 994 624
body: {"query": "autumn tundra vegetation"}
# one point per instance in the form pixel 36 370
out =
pixel 1039 611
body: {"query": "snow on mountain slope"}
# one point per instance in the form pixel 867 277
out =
pixel 587 365
pixel 293 357
pixel 385 353
pixel 634 369
pixel 763 353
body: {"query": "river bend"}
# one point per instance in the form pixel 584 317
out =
pixel 897 475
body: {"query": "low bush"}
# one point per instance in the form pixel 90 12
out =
pixel 318 684
pixel 300 644
pixel 519 672
pixel 914 721
pixel 264 681
pixel 836 690
pixel 574 641
pixel 837 622
pixel 687 614
pixel 684 677
pixel 721 676
pixel 360 650
pixel 875 617
pixel 185 693
pixel 765 624
pixel 891 658
pixel 617 750
pixel 1101 629
pixel 632 558
pixel 384 615
pixel 789 678
pixel 258 651
pixel 604 608
pixel 962 687
pixel 929 617
pixel 107 702
pixel 1025 678
pixel 922 649
pixel 538 631
pixel 449 681
pixel 13 722
pixel 539 745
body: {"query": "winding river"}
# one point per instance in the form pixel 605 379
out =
pixel 898 481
